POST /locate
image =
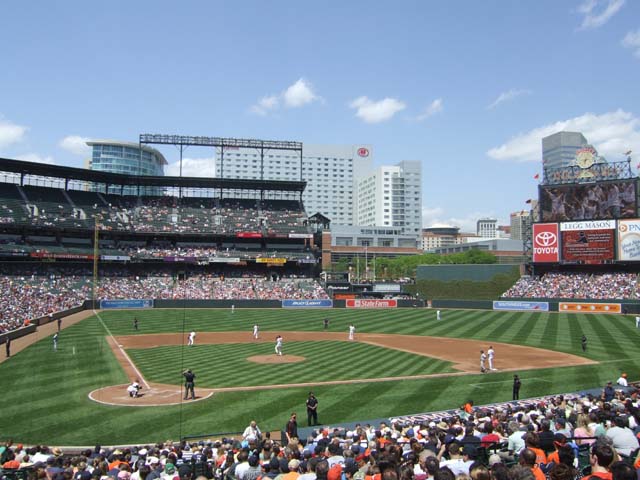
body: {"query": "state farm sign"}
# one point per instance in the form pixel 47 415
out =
pixel 545 243
pixel 360 303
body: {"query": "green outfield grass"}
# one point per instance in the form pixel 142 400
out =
pixel 44 393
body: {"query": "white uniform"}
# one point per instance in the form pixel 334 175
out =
pixel 55 342
pixel 233 308
pixel 438 316
pixel 192 338
pixel 133 389
pixel 637 322
pixel 483 358
pixel 278 345
pixel 256 329
pixel 352 332
pixel 490 354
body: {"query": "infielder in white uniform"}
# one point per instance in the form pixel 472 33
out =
pixel 279 345
pixel 352 332
pixel 192 338
pixel 256 330
pixel 490 355
pixel 483 358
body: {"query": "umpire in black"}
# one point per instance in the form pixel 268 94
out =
pixel 189 384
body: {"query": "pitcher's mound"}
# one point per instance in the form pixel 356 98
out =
pixel 276 358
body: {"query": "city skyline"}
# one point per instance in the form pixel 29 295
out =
pixel 467 89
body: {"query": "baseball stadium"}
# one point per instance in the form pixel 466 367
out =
pixel 112 280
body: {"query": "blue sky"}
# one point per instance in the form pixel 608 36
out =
pixel 468 88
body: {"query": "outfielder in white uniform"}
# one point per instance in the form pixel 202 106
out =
pixel 279 345
pixel 256 330
pixel 490 355
pixel 438 316
pixel 352 332
pixel 192 338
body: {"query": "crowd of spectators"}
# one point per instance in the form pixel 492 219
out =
pixel 556 438
pixel 24 298
pixel 576 285
pixel 53 207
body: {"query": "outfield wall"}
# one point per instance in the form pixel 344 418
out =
pixel 628 306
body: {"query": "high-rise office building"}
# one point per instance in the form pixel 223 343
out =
pixel 559 149
pixel 487 228
pixel 128 158
pixel 520 224
pixel 391 196
pixel 329 170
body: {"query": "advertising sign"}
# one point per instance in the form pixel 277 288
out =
pixel 588 246
pixel 580 307
pixel 371 303
pixel 111 304
pixel 307 303
pixel 273 261
pixel 249 235
pixel 386 287
pixel 521 306
pixel 629 240
pixel 546 244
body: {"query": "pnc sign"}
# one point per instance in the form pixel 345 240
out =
pixel 363 152
pixel 545 243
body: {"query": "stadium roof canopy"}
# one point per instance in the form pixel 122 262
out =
pixel 71 173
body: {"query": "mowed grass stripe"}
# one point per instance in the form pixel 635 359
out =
pixel 370 362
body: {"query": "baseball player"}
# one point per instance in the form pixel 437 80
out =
pixel 438 315
pixel 191 339
pixel 352 332
pixel 279 345
pixel 490 355
pixel 256 331
pixel 483 358
pixel 55 342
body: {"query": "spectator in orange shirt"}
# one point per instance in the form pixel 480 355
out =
pixel 528 459
pixel 601 458
pixel 531 442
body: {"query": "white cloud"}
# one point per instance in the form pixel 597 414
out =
pixel 612 133
pixel 598 12
pixel 192 167
pixel 265 105
pixel 34 157
pixel 75 144
pixel 632 40
pixel 433 108
pixel 508 96
pixel 11 133
pixel 299 94
pixel 376 112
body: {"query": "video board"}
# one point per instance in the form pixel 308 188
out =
pixel 597 201
pixel 588 242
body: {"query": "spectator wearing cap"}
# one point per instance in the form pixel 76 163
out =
pixel 601 458
pixel 293 465
pixel 561 426
pixel 623 439
pixel 170 472
pixel 272 468
pixel 622 381
pixel 254 471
